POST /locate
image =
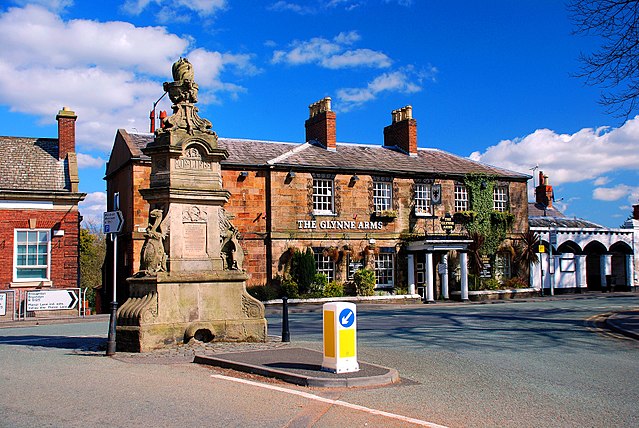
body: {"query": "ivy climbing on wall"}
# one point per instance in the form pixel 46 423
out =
pixel 482 218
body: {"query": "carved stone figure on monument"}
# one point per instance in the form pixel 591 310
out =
pixel 230 248
pixel 153 258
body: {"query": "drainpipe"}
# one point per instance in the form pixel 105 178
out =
pixel 268 240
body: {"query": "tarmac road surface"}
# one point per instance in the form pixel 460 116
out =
pixel 528 364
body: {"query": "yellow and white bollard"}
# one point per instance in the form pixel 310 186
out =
pixel 340 337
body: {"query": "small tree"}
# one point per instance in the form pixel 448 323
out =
pixel 303 270
pixel 365 282
pixel 92 253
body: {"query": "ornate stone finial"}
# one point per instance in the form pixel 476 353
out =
pixel 183 70
pixel 320 106
pixel 183 93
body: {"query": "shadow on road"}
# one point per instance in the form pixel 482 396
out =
pixel 76 343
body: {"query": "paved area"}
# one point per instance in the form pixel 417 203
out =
pixel 301 366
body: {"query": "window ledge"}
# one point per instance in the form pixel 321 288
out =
pixel 425 215
pixel 31 284
pixel 324 214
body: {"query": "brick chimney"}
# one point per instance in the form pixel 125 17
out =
pixel 320 125
pixel 402 132
pixel 544 194
pixel 66 132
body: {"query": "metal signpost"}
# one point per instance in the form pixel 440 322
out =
pixel 113 221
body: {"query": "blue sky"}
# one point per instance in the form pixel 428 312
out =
pixel 491 80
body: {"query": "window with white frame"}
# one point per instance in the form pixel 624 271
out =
pixel 461 198
pixel 32 251
pixel 323 191
pixel 503 265
pixel 422 199
pixel 384 270
pixel 325 265
pixel 500 198
pixel 382 196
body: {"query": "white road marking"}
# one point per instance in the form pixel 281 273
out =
pixel 331 401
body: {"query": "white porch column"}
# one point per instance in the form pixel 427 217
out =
pixel 630 270
pixel 411 274
pixel 463 265
pixel 429 278
pixel 580 271
pixel 444 276
pixel 605 263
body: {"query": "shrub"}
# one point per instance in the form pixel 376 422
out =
pixel 263 292
pixel 365 282
pixel 490 284
pixel 334 289
pixel 319 283
pixel 515 282
pixel 290 289
pixel 303 270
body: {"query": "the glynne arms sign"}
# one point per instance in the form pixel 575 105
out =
pixel 339 225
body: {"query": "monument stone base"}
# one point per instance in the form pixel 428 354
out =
pixel 167 309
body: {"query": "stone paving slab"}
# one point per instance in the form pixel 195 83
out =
pixel 300 366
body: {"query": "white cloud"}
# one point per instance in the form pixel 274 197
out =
pixel 615 193
pixel 88 161
pixel 584 155
pixel 331 53
pixel 285 6
pixel 399 81
pixel 109 88
pixel 601 181
pixel 92 208
pixel 54 5
pixel 172 9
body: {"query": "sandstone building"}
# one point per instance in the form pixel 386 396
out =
pixel 391 207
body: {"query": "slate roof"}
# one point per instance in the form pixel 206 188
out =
pixel 31 164
pixel 555 218
pixel 348 156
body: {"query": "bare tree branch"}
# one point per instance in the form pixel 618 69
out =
pixel 615 66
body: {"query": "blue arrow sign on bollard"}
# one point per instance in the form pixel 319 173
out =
pixel 346 317
pixel 113 221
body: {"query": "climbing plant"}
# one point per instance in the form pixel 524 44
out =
pixel 483 219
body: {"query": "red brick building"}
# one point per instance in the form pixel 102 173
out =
pixel 39 217
pixel 353 204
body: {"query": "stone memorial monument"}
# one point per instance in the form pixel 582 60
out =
pixel 190 284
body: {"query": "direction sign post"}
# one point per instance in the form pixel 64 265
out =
pixel 113 222
pixel 340 337
pixel 51 300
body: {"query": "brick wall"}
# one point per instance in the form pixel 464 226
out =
pixel 64 249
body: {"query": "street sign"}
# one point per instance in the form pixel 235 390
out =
pixel 553 238
pixel 542 248
pixel 51 300
pixel 113 221
pixel 346 317
pixel 3 304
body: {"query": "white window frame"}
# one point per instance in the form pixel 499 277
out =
pixel 423 199
pixel 503 265
pixel 500 198
pixel 382 196
pixel 385 269
pixel 323 196
pixel 325 265
pixel 17 267
pixel 461 198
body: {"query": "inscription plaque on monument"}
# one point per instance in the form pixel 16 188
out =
pixel 194 239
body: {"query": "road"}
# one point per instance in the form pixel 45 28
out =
pixel 527 364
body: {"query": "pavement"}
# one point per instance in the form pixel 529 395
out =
pixel 301 366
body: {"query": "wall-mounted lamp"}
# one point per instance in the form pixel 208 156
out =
pixel 244 174
pixel 291 174
pixel 354 178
